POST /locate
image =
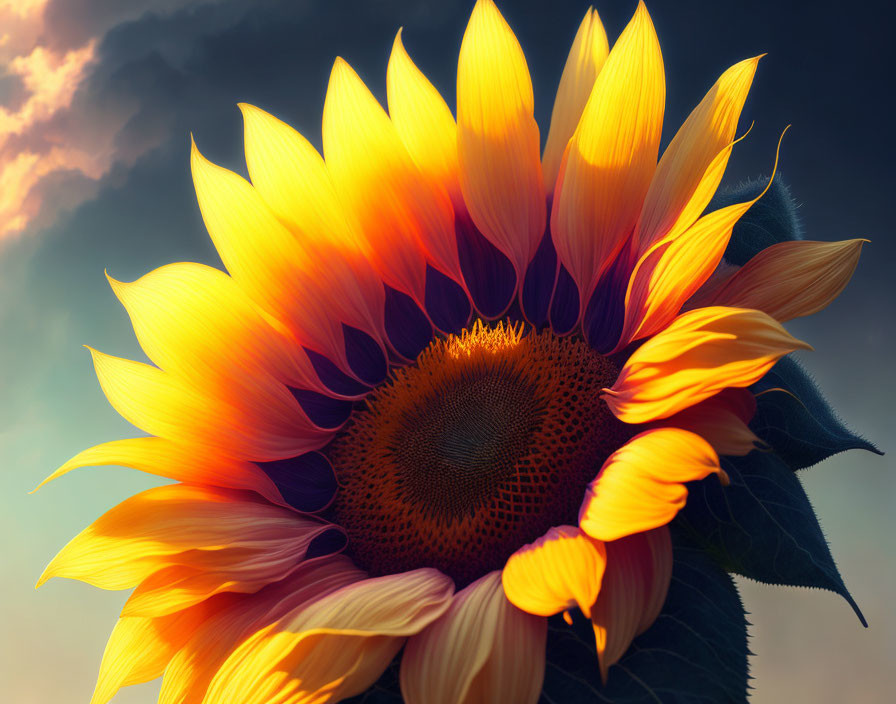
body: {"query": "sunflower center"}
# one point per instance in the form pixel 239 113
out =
pixel 478 448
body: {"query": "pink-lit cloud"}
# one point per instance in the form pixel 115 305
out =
pixel 50 80
pixel 49 50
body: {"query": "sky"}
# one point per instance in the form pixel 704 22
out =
pixel 97 102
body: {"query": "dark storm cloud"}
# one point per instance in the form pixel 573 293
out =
pixel 71 23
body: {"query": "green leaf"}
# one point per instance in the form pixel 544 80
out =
pixel 696 651
pixel 772 219
pixel 762 526
pixel 795 420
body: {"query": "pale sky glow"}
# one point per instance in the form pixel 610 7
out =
pixel 98 99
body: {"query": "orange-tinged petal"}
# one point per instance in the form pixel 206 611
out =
pixel 423 121
pixel 611 156
pixel 641 485
pixel 191 669
pixel 636 581
pixel 200 576
pixel 497 138
pixel 182 524
pixel 673 270
pixel 404 218
pixel 139 649
pixel 701 352
pixel 586 57
pixel 721 420
pixel 559 571
pixel 264 257
pixel 183 463
pixel 293 180
pixel 196 322
pixel 484 649
pixel 704 295
pixel 792 279
pixel 335 647
pixel 255 426
pixel 694 162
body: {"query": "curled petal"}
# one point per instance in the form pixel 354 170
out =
pixel 559 571
pixel 611 156
pixel 699 354
pixel 792 279
pixel 183 525
pixel 484 649
pixel 675 268
pixel 721 420
pixel 693 164
pixel 586 57
pixel 497 138
pixel 403 217
pixel 636 581
pixel 265 423
pixel 641 485
pixel 336 646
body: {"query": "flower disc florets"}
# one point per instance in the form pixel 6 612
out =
pixel 480 447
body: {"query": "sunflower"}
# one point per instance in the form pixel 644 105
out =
pixel 449 387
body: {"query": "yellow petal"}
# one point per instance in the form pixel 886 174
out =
pixel 293 180
pixel 483 649
pixel 611 156
pixel 195 322
pixel 792 279
pixel 265 258
pixel 673 269
pixel 721 420
pixel 403 217
pixel 699 354
pixel 559 571
pixel 179 462
pixel 335 647
pixel 694 162
pixel 641 485
pixel 191 669
pixel 636 581
pixel 139 649
pixel 498 139
pixel 586 57
pixel 180 524
pixel 423 121
pixel 267 424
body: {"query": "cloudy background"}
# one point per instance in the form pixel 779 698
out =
pixel 97 101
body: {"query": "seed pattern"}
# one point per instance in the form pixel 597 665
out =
pixel 488 440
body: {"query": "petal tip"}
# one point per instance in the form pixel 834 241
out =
pixel 118 287
pixel 46 481
pixel 45 576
